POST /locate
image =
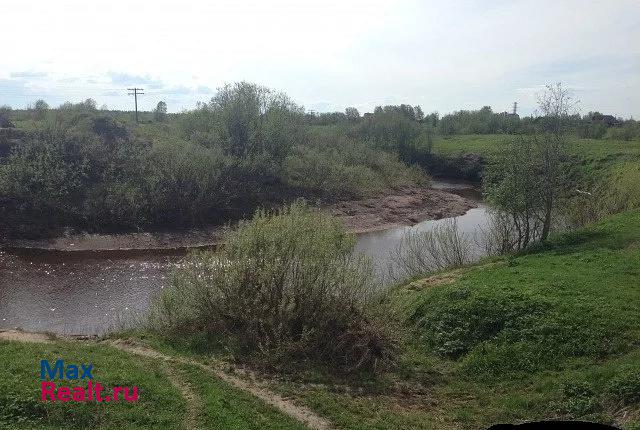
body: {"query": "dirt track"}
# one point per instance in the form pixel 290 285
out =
pixel 194 403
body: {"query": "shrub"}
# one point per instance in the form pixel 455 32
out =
pixel 332 166
pixel 418 253
pixel 393 130
pixel 283 287
pixel 5 117
pixel 245 119
pixel 630 130
pixel 592 130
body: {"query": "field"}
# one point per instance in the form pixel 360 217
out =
pixel 598 155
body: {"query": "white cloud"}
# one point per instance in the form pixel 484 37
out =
pixel 442 55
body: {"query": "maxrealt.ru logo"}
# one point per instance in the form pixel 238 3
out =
pixel 93 391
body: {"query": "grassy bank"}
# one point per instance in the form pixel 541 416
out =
pixel 551 334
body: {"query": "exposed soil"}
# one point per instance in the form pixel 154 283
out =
pixel 24 336
pixel 398 207
pixel 403 207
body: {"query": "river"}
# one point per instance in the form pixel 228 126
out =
pixel 92 293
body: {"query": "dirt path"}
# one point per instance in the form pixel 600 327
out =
pixel 194 403
pixel 301 414
pixel 23 336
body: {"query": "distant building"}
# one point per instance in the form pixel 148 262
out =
pixel 509 115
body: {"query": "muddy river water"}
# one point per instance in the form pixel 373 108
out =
pixel 94 292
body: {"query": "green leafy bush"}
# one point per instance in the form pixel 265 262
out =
pixel 630 130
pixel 283 288
pixel 336 167
pixel 592 130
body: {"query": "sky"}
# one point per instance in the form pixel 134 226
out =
pixel 326 55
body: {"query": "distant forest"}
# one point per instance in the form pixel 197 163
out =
pixel 93 169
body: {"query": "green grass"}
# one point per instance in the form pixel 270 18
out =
pixel 598 155
pixel 229 409
pixel 160 404
pixel 554 333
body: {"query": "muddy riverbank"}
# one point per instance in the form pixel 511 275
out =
pixel 92 292
pixel 396 208
pixel 405 207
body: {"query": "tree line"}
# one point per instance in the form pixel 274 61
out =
pixel 86 168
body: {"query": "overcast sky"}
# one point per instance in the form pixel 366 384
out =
pixel 326 54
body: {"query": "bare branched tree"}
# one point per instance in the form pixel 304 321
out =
pixel 423 252
pixel 556 103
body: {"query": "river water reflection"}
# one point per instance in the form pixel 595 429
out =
pixel 91 293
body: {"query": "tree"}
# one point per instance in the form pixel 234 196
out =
pixel 160 112
pixel 555 103
pixel 248 119
pixel 90 104
pixel 531 177
pixel 418 113
pixel 40 109
pixel 352 114
pixel 514 186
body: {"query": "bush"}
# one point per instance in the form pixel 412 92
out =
pixel 283 288
pixel 246 120
pixel 482 121
pixel 183 183
pixel 393 130
pixel 419 253
pixel 630 130
pixel 592 130
pixel 334 167
pixel 77 175
pixel 5 117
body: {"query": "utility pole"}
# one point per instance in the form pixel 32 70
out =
pixel 135 93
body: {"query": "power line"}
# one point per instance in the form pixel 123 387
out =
pixel 135 93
